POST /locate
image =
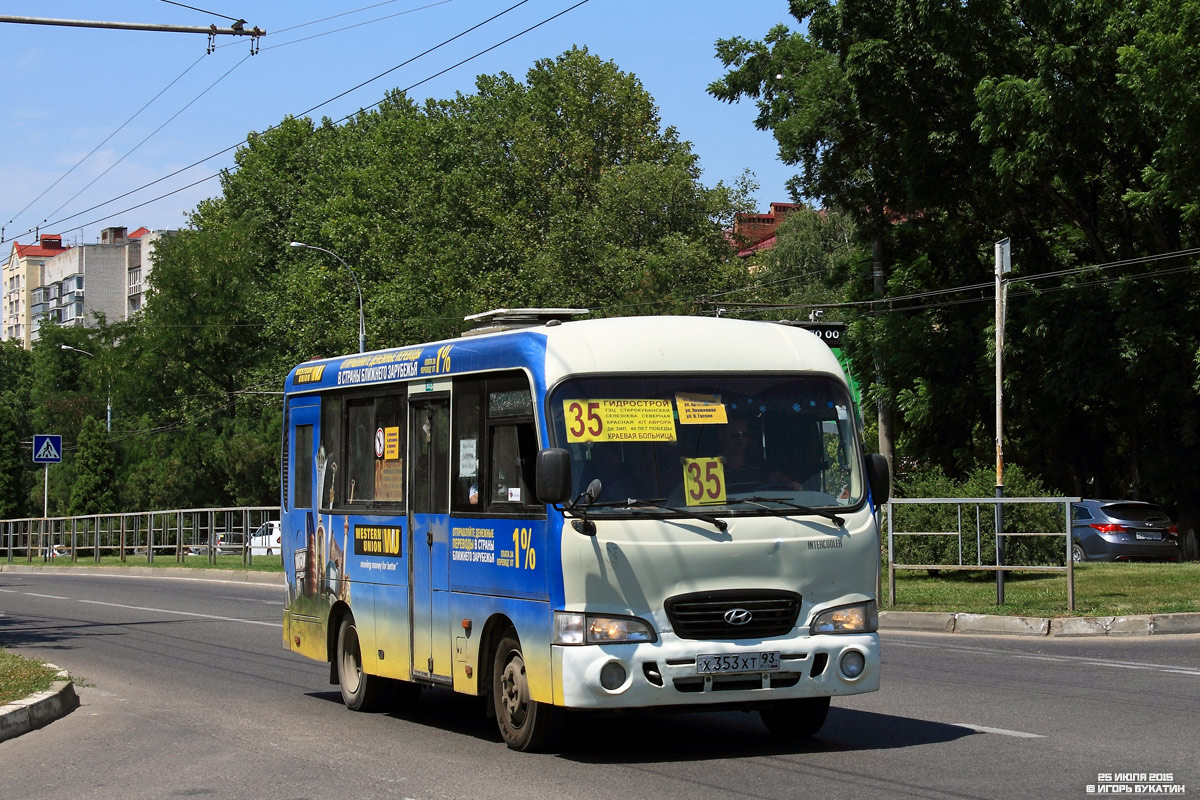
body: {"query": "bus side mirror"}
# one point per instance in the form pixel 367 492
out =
pixel 879 477
pixel 553 476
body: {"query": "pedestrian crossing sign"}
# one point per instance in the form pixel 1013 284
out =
pixel 47 448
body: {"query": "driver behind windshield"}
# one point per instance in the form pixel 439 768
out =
pixel 743 462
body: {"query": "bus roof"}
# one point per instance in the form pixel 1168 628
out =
pixel 613 345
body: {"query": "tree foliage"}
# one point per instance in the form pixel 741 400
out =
pixel 94 490
pixel 564 189
pixel 1063 125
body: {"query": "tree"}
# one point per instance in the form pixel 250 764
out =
pixel 942 127
pixel 94 490
pixel 14 427
pixel 562 189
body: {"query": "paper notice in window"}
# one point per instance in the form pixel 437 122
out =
pixel 700 409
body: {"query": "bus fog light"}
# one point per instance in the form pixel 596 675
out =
pixel 852 664
pixel 612 675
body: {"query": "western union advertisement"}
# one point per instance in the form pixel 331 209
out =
pixel 377 540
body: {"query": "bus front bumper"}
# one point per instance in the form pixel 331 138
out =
pixel 667 672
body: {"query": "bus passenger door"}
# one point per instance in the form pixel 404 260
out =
pixel 429 536
pixel 298 528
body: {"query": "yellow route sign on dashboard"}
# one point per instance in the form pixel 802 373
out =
pixel 628 420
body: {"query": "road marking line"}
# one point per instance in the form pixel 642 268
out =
pixel 1001 731
pixel 1091 661
pixel 50 596
pixel 183 613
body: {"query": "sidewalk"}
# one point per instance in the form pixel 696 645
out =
pixel 995 625
pixel 39 709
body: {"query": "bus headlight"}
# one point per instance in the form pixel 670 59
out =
pixel 572 628
pixel 857 618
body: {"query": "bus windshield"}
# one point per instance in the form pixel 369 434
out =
pixel 728 444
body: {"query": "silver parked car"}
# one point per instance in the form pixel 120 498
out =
pixel 1122 530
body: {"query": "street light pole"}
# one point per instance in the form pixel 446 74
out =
pixel 108 409
pixel 362 325
pixel 1003 267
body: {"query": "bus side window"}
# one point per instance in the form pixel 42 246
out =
pixel 302 495
pixel 505 474
pixel 514 450
pixel 330 492
pixel 468 449
pixel 360 451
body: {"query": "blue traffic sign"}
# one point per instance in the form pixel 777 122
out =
pixel 47 448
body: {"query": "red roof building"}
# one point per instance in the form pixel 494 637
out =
pixel 21 277
pixel 754 233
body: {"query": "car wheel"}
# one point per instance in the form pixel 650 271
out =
pixel 1077 554
pixel 360 691
pixel 524 723
pixel 795 719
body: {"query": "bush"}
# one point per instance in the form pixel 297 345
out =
pixel 944 518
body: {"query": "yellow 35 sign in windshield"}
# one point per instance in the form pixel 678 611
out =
pixel 619 420
pixel 703 481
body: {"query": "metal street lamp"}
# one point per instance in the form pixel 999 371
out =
pixel 108 415
pixel 362 325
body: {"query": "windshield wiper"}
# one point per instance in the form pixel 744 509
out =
pixel 587 500
pixel 758 500
pixel 658 502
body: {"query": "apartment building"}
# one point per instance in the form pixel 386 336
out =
pixel 140 256
pixel 50 282
pixel 21 278
pixel 82 282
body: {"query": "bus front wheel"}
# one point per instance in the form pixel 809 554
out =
pixel 795 719
pixel 524 723
pixel 360 691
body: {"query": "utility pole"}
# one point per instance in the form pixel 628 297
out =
pixel 238 28
pixel 882 407
pixel 1003 266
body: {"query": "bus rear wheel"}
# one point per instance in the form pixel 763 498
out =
pixel 795 719
pixel 360 691
pixel 524 723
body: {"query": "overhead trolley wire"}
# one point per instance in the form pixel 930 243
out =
pixel 106 139
pixel 147 138
pixel 201 10
pixel 162 91
pixel 59 222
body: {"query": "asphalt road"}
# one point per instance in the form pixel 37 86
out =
pixel 186 691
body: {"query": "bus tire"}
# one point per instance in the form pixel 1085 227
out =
pixel 795 719
pixel 360 691
pixel 524 723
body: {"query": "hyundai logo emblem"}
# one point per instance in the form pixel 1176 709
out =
pixel 738 616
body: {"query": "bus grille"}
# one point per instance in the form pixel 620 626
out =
pixel 702 615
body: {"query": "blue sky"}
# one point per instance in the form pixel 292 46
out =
pixel 67 90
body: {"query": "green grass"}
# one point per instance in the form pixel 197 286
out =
pixel 163 560
pixel 1101 590
pixel 21 677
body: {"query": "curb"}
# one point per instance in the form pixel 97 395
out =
pixel 177 573
pixel 995 625
pixel 39 709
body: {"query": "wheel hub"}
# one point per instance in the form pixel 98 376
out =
pixel 514 690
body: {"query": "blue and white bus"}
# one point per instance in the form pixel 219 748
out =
pixel 590 514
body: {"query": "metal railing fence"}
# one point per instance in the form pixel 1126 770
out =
pixel 999 564
pixel 150 535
